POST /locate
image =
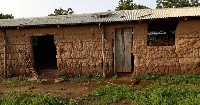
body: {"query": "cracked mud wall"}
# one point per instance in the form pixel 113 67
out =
pixel 181 58
pixel 153 59
pixel 1 53
pixel 15 63
pixel 140 48
pixel 188 46
pixel 79 49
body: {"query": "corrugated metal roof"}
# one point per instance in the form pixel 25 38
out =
pixel 104 17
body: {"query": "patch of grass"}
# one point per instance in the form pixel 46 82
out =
pixel 154 95
pixel 61 88
pixel 63 75
pixel 1 78
pixel 31 87
pixel 81 78
pixel 17 98
pixel 148 77
pixel 1 93
pixel 87 77
pixel 171 95
pixel 84 78
pixel 10 84
pixel 172 79
pixel 114 76
pixel 181 79
pixel 112 94
pixel 20 78
pixel 98 76
pixel 15 81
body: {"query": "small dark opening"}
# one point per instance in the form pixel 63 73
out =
pixel 132 62
pixel 44 53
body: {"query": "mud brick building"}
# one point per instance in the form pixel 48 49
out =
pixel 147 41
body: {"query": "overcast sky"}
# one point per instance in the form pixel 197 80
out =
pixel 37 8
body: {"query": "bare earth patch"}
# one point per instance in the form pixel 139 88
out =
pixel 71 87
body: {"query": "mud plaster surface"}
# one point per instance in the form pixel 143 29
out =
pixel 79 49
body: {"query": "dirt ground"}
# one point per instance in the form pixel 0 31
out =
pixel 69 88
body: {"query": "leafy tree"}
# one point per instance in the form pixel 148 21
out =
pixel 129 5
pixel 61 11
pixel 6 16
pixel 177 3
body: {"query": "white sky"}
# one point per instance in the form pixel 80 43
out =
pixel 37 8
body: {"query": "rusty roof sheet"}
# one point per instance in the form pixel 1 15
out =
pixel 104 17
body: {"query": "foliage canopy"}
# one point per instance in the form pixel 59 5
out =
pixel 6 16
pixel 61 11
pixel 177 3
pixel 129 5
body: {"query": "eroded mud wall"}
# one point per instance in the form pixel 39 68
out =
pixel 181 58
pixel 1 53
pixel 15 63
pixel 188 46
pixel 79 49
pixel 139 47
pixel 153 59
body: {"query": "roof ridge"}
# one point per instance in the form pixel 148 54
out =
pixel 104 17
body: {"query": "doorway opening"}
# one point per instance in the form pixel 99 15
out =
pixel 44 53
pixel 123 50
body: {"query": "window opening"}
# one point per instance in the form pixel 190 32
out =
pixel 161 38
pixel 161 33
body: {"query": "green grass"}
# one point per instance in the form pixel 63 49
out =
pixel 195 79
pixel 17 98
pixel 61 88
pixel 16 81
pixel 87 77
pixel 111 94
pixel 154 95
pixel 147 77
pixel 81 78
pixel 31 87
pixel 177 91
pixel 1 78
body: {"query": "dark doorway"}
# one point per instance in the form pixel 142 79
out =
pixel 44 53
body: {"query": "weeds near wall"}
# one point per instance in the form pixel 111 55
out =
pixel 16 81
pixel 1 78
pixel 148 77
pixel 81 78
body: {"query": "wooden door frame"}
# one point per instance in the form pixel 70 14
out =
pixel 114 50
